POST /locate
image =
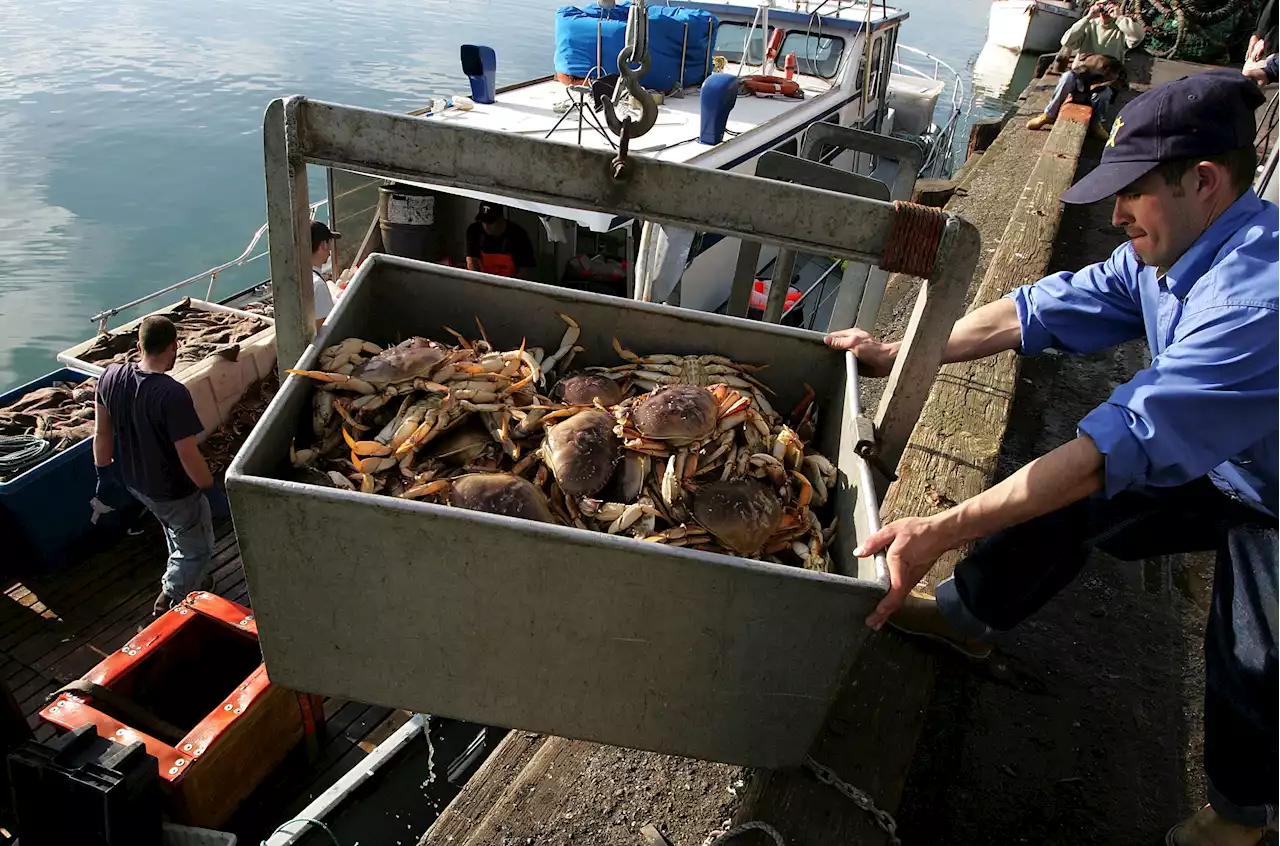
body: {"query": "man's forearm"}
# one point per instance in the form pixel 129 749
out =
pixel 103 441
pixel 198 471
pixel 1068 474
pixel 193 463
pixel 991 329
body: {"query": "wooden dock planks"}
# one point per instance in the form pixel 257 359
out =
pixel 55 627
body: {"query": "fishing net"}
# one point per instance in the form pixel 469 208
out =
pixel 1213 33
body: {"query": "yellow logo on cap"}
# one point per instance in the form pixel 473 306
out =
pixel 1115 127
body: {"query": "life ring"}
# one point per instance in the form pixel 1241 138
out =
pixel 760 296
pixel 771 85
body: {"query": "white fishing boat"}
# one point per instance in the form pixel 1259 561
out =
pixel 1031 26
pixel 734 80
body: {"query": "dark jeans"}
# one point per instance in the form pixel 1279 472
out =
pixel 1011 575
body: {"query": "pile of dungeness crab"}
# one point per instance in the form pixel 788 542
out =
pixel 679 450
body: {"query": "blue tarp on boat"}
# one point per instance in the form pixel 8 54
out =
pixel 576 42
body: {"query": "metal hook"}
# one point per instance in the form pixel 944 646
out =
pixel 619 167
pixel 636 50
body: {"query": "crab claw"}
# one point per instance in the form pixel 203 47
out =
pixel 365 447
pixel 566 343
pixel 626 354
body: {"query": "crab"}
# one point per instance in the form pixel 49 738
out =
pixel 403 368
pixel 588 388
pixel 675 423
pixel 582 452
pixel 494 493
pixel 654 371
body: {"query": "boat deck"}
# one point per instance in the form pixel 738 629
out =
pixel 531 110
pixel 55 627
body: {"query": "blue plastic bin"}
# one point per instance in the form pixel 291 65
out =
pixel 48 505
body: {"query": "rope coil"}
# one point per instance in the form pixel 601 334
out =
pixel 913 240
pixel 21 452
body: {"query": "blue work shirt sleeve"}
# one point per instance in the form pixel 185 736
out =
pixel 1082 312
pixel 1210 395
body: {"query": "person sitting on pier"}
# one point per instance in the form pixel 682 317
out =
pixel 1102 32
pixel 147 420
pixel 1181 458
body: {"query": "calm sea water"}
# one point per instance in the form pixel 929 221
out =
pixel 131 130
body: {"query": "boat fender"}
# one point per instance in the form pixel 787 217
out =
pixel 771 85
pixel 718 96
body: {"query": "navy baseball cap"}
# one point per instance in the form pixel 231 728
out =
pixel 1205 114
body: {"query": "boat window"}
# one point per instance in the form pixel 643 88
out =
pixel 877 47
pixel 731 39
pixel 815 55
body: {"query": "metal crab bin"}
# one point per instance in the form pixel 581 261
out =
pixel 546 628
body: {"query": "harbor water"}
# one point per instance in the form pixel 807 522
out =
pixel 131 130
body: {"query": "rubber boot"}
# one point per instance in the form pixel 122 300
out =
pixel 919 617
pixel 1040 121
pixel 1206 828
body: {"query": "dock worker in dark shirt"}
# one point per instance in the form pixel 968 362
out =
pixel 145 440
pixel 1181 458
pixel 499 246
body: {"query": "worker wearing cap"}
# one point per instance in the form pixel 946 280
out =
pixel 322 238
pixel 1181 458
pixel 499 246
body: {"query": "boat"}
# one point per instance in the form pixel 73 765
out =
pixel 1031 26
pixel 999 72
pixel 794 66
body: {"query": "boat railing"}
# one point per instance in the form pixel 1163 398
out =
pixel 940 152
pixel 211 275
pixel 1265 144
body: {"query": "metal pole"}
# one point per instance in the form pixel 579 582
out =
pixel 744 277
pixel 289 225
pixel 783 266
pixel 631 263
pixel 451 155
pixel 684 55
pixel 333 219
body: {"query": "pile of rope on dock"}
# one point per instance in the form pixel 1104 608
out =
pixel 1206 31
pixel 43 422
pixel 200 334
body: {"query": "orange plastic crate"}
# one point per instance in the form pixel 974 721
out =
pixel 198 668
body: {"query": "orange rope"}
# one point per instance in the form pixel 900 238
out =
pixel 913 239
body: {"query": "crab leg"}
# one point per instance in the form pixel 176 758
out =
pixel 462 342
pixel 358 385
pixel 805 496
pixel 566 344
pixel 300 457
pixel 340 481
pixel 629 515
pixel 426 489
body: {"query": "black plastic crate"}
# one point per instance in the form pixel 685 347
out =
pixel 85 790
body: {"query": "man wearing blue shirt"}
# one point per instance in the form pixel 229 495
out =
pixel 1181 458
